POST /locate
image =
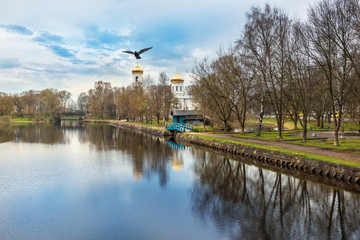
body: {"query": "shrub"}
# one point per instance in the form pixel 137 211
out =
pixel 5 119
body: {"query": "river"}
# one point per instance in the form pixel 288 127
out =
pixel 78 181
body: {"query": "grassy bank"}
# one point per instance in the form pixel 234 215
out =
pixel 349 144
pixel 272 136
pixel 282 150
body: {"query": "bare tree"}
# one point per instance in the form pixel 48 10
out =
pixel 301 81
pixel 65 97
pixel 6 104
pixel 235 70
pixel 19 103
pixel 266 37
pixel 167 97
pixel 83 102
pixel 122 102
pixel 332 59
pixel 213 87
pixel 51 102
pixel 101 99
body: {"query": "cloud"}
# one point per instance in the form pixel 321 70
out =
pixel 46 37
pixel 96 38
pixel 61 51
pixel 17 29
pixel 85 62
pixel 9 63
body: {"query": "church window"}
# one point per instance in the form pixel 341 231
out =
pixel 136 78
pixel 180 88
pixel 176 88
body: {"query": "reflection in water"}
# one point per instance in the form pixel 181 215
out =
pixel 177 157
pixel 246 202
pixel 148 154
pixel 79 181
pixel 35 133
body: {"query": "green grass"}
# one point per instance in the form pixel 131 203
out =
pixel 282 150
pixel 71 117
pixel 351 126
pixel 272 136
pixel 152 123
pixel 207 128
pixel 289 125
pixel 95 118
pixel 271 123
pixel 344 144
pixel 15 120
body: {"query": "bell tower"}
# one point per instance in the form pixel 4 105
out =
pixel 137 74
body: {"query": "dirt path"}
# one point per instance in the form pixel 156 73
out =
pixel 313 150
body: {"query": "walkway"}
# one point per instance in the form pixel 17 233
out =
pixel 313 150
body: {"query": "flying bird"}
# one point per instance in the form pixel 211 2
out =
pixel 137 54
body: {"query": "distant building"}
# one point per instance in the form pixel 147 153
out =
pixel 137 74
pixel 184 102
pixel 187 116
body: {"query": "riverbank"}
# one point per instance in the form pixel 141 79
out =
pixel 336 174
pixel 157 131
pixel 340 172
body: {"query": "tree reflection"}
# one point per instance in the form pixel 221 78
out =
pixel 148 155
pixel 246 202
pixel 41 133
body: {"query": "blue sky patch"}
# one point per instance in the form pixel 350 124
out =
pixel 61 51
pixel 17 29
pixel 97 38
pixel 9 63
pixel 46 37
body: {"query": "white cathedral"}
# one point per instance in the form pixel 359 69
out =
pixel 184 101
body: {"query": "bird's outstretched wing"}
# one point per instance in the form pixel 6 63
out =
pixel 144 50
pixel 128 52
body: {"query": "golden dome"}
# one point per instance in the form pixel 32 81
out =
pixel 137 69
pixel 177 79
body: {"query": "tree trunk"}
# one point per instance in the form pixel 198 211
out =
pixel 225 126
pixel 342 126
pixel 242 128
pixel 204 128
pixel 318 121
pixel 261 116
pixel 279 123
pixel 336 136
pixel 295 120
pixel 304 129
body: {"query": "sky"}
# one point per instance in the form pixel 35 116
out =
pixel 71 44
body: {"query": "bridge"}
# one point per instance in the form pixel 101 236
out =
pixel 180 127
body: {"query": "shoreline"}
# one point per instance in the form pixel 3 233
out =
pixel 337 175
pixel 334 174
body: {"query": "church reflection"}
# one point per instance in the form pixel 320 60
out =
pixel 247 202
pixel 242 201
pixel 177 155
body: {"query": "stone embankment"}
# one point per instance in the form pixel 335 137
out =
pixel 343 176
pixel 338 175
pixel 143 128
pixel 133 126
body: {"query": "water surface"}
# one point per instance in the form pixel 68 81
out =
pixel 99 182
